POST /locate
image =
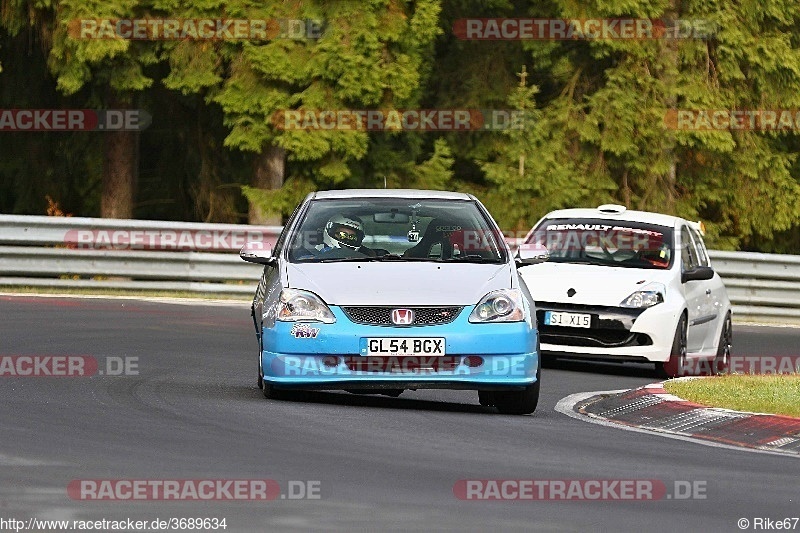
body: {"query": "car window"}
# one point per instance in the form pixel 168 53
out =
pixel 401 228
pixel 607 243
pixel 689 258
pixel 282 237
pixel 700 246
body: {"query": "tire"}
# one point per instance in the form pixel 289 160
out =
pixel 676 364
pixel 271 393
pixel 724 348
pixel 485 398
pixel 522 402
pixel 260 359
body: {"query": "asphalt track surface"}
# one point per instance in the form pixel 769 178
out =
pixel 194 412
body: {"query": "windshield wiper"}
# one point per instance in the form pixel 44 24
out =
pixel 374 258
pixel 473 258
pixel 344 259
pixel 397 257
pixel 586 261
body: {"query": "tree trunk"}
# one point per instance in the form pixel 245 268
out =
pixel 268 171
pixel 120 172
pixel 671 101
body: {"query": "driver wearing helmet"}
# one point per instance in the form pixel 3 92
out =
pixel 343 233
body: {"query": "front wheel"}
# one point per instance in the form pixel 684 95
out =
pixel 271 393
pixel 725 347
pixel 485 398
pixel 675 365
pixel 517 402
pixel 521 402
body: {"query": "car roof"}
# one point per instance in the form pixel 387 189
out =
pixel 391 193
pixel 646 217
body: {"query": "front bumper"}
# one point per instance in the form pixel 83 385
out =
pixel 616 333
pixel 333 356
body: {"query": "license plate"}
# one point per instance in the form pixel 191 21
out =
pixel 404 346
pixel 570 320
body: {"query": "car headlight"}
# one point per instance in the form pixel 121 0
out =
pixel 296 305
pixel 499 306
pixel 649 296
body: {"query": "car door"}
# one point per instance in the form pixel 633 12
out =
pixel 694 292
pixel 270 277
pixel 714 292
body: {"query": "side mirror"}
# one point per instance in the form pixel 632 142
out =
pixel 697 274
pixel 531 254
pixel 257 252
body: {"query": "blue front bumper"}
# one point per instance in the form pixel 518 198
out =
pixel 333 356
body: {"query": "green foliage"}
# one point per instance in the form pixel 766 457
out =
pixel 282 200
pixel 605 108
pixel 114 63
pixel 594 110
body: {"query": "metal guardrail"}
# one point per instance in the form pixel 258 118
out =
pixel 102 233
pixel 202 258
pixel 762 287
pixel 94 253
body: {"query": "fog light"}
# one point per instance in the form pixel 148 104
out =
pixel 473 361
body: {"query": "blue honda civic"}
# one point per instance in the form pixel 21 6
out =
pixel 381 291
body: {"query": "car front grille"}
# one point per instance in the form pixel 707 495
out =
pixel 382 316
pixel 610 326
pixel 595 338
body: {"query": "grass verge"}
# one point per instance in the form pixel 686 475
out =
pixel 776 394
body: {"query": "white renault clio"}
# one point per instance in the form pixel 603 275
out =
pixel 629 286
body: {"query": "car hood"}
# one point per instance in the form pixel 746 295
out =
pixel 399 283
pixel 593 285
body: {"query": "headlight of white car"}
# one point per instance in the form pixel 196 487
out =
pixel 499 306
pixel 649 296
pixel 296 305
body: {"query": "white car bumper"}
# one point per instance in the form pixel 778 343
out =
pixel 657 323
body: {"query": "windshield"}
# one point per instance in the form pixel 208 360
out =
pixel 606 243
pixel 395 229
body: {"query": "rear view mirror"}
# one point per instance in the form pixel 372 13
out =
pixel 257 252
pixel 392 217
pixel 531 254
